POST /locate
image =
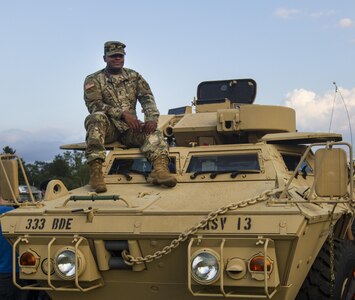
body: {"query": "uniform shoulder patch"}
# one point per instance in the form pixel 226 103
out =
pixel 89 85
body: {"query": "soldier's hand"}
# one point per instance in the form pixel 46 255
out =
pixel 132 121
pixel 149 127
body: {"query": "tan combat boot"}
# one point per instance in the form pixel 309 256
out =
pixel 96 177
pixel 161 174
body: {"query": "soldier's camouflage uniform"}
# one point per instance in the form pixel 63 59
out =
pixel 106 97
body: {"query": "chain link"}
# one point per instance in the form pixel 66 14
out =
pixel 131 260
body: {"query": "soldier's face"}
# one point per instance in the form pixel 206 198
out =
pixel 114 62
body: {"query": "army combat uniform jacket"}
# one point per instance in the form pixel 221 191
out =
pixel 114 94
pixel 107 97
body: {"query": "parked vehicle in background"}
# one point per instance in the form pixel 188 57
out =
pixel 25 193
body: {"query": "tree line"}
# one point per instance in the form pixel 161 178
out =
pixel 69 167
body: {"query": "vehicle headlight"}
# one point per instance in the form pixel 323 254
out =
pixel 205 266
pixel 64 263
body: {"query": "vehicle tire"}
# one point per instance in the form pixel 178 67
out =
pixel 317 283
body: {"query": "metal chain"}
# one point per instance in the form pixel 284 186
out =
pixel 130 260
pixel 331 255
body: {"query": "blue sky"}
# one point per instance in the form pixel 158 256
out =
pixel 293 49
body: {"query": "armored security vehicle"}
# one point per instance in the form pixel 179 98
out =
pixel 260 211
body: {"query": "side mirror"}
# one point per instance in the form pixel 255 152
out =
pixel 331 172
pixel 9 179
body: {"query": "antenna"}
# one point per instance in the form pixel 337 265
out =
pixel 346 108
pixel 335 95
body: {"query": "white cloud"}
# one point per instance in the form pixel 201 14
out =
pixel 286 13
pixel 345 23
pixel 313 112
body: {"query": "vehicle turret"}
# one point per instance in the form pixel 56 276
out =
pixel 225 114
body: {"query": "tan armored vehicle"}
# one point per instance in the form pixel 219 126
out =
pixel 260 211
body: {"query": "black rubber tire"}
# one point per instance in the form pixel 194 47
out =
pixel 317 284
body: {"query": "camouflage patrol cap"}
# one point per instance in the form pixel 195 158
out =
pixel 113 47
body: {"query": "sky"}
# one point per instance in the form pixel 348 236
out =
pixel 294 50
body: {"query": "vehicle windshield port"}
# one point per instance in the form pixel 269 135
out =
pixel 291 162
pixel 222 164
pixel 137 165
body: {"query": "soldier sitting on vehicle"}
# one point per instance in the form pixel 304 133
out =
pixel 111 96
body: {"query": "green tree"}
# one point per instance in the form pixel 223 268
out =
pixel 69 167
pixel 78 168
pixel 37 172
pixel 8 150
